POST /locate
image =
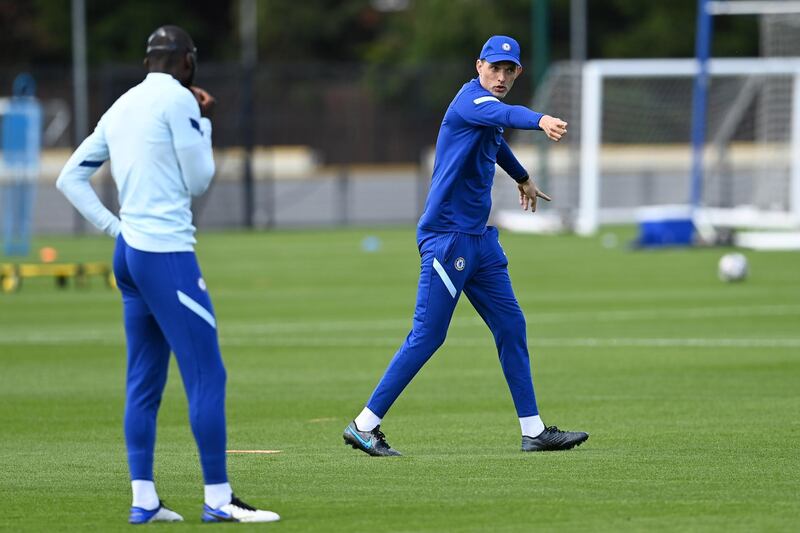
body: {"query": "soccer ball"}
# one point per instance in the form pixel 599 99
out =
pixel 732 267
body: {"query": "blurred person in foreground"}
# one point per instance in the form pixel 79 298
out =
pixel 460 253
pixel 158 139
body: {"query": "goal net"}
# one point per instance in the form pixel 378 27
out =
pixel 635 139
pixel 631 145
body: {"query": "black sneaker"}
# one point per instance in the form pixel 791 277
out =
pixel 553 439
pixel 371 442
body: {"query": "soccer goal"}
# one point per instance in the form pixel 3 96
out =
pixel 635 140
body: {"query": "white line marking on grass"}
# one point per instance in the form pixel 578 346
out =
pixel 384 342
pixel 669 343
pixel 675 313
pixel 48 337
pixel 237 333
pixel 312 325
pixel 650 295
pixel 253 451
pixel 389 343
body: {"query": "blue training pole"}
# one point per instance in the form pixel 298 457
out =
pixel 700 100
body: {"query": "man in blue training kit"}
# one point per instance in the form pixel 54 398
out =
pixel 158 138
pixel 460 253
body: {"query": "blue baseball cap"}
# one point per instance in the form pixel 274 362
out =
pixel 501 48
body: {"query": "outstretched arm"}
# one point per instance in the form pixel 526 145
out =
pixel 490 111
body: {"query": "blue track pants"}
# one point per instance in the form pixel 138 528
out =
pixel 476 265
pixel 18 197
pixel 167 308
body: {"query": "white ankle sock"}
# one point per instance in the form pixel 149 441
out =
pixel 531 426
pixel 144 494
pixel 218 494
pixel 367 420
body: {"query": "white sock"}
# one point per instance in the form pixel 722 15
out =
pixel 218 494
pixel 531 426
pixel 367 420
pixel 144 494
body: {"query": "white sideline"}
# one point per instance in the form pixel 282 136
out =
pixel 549 342
pixel 484 341
pixel 234 334
pixel 533 318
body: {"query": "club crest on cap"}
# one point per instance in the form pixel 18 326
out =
pixel 506 47
pixel 460 263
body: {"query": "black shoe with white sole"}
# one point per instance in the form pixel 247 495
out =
pixel 371 442
pixel 553 439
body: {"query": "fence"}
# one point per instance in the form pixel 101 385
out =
pixel 346 113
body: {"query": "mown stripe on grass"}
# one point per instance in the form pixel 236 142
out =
pixel 394 342
pixel 112 333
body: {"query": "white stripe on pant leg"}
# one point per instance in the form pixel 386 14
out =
pixel 197 309
pixel 437 266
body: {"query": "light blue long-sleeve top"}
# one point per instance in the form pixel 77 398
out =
pixel 160 152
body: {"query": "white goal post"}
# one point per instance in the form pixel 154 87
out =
pixel 595 73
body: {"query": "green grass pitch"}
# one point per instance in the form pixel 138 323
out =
pixel 689 387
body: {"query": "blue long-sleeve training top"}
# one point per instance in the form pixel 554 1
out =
pixel 470 142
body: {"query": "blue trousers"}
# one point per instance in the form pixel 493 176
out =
pixel 476 265
pixel 18 199
pixel 167 308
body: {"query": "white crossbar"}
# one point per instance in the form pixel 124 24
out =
pixel 741 7
pixel 666 68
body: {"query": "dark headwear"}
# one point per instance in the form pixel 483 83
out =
pixel 173 42
pixel 170 39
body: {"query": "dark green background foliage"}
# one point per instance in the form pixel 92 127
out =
pixel 38 31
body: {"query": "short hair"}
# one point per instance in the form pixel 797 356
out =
pixel 165 58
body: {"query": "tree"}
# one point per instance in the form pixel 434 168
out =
pixel 116 31
pixel 631 28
